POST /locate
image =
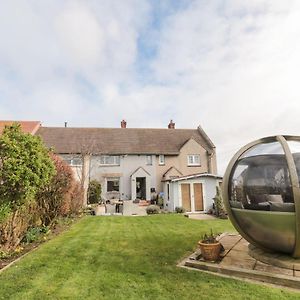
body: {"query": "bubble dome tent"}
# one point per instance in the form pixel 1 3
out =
pixel 262 196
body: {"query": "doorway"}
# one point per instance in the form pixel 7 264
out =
pixel 192 197
pixel 141 188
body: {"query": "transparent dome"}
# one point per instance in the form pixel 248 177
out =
pixel 262 196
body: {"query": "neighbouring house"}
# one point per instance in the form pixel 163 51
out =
pixel 194 193
pixel 131 162
pixel 26 126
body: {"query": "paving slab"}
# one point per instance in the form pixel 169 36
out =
pixel 238 259
pixel 275 259
pixel 260 266
pixel 236 262
pixel 200 216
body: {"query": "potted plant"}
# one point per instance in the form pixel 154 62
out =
pixel 210 247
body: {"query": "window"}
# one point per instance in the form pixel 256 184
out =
pixel 161 159
pixel 113 160
pixel 74 162
pixel 193 160
pixel 113 184
pixel 149 160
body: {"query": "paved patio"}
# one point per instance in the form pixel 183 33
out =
pixel 200 216
pixel 236 262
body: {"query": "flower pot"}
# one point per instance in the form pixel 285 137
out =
pixel 210 252
pixel 100 210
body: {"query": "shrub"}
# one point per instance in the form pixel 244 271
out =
pixel 219 205
pixel 153 209
pixel 34 234
pixel 25 166
pixel 53 197
pixel 179 210
pixel 94 192
pixel 15 226
pixel 5 210
pixel 76 199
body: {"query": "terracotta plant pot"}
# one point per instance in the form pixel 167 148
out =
pixel 210 252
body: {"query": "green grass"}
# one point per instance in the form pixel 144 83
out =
pixel 125 258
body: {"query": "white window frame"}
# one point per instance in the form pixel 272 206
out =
pixel 71 161
pixel 109 160
pixel 161 159
pixel 113 179
pixel 193 160
pixel 149 160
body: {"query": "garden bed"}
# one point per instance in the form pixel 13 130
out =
pixel 24 248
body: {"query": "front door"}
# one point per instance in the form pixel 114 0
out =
pixel 141 188
pixel 186 196
pixel 198 196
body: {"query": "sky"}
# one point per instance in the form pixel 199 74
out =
pixel 232 67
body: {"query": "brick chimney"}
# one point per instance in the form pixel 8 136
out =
pixel 171 125
pixel 123 124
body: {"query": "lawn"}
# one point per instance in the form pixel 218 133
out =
pixel 125 258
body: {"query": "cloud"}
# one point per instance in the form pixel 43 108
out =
pixel 80 36
pixel 230 66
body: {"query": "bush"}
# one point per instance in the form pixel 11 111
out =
pixel 179 210
pixel 34 234
pixel 153 209
pixel 76 199
pixel 15 226
pixel 25 166
pixel 94 192
pixel 219 204
pixel 53 200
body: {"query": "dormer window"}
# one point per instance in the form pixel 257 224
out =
pixel 193 160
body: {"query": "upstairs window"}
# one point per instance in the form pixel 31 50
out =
pixel 110 160
pixel 74 161
pixel 161 159
pixel 149 160
pixel 193 160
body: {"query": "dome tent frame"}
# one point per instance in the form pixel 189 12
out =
pixel 283 141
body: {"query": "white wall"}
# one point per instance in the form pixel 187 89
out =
pixel 128 164
pixel 209 185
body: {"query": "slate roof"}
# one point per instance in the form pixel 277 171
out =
pixel 26 126
pixel 120 140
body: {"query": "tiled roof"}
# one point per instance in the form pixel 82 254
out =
pixel 199 175
pixel 120 140
pixel 26 126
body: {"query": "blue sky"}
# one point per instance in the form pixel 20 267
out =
pixel 231 66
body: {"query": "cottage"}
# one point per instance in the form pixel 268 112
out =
pixel 131 162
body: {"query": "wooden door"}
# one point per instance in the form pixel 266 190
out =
pixel 198 196
pixel 186 196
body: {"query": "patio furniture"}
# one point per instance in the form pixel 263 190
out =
pixel 110 208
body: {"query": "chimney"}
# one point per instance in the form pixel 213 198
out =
pixel 66 124
pixel 171 125
pixel 123 124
